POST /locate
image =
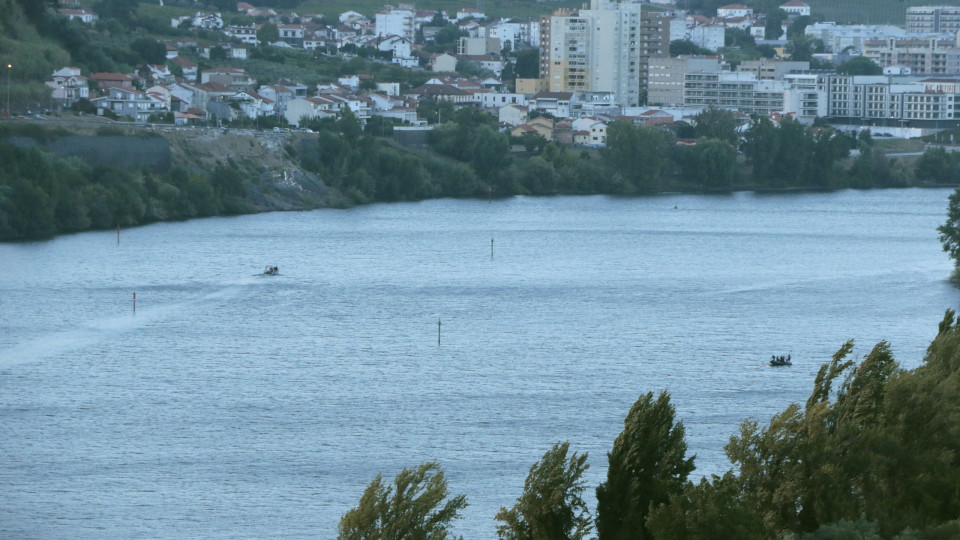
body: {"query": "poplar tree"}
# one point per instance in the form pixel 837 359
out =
pixel 413 507
pixel 647 465
pixel 551 507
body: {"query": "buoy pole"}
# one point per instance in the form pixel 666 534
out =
pixel 438 331
pixel 491 248
pixel 134 302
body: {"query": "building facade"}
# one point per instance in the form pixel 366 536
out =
pixel 927 19
pixel 932 56
pixel 741 92
pixel 596 50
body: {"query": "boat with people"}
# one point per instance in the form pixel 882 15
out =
pixel 780 360
pixel 271 271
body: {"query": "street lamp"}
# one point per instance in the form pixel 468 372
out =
pixel 9 69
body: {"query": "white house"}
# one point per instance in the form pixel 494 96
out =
pixel 734 10
pixel 406 115
pixel 291 34
pixel 594 128
pixel 188 67
pixel 396 21
pixel 400 47
pixel 390 89
pixel 252 104
pixel 278 97
pixel 68 85
pixel 84 15
pixel 312 107
pixel 124 102
pixel 512 115
pixel 207 20
pixel 444 62
pixel 246 34
pixel 796 8
pixel 554 103
pixel 501 99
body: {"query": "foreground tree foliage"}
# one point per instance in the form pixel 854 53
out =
pixel 883 448
pixel 412 508
pixel 551 507
pixel 647 465
pixel 950 230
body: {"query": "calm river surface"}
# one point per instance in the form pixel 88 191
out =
pixel 231 404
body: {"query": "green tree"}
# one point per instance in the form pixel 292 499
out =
pixel 637 155
pixel 349 125
pixel 413 507
pixel 714 123
pixel 938 165
pixel 950 230
pixel 707 511
pixel 150 51
pixel 218 53
pixel 773 27
pixel 686 47
pixel 860 65
pixel 268 33
pixel 802 47
pixel 647 465
pixel 738 37
pixel 528 64
pixel 710 163
pixel 551 507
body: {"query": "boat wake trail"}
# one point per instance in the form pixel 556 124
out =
pixel 90 333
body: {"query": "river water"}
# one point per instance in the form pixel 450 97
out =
pixel 230 404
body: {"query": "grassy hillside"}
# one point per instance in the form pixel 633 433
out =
pixel 869 11
pixel 32 57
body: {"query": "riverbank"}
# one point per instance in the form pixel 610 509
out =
pixel 137 174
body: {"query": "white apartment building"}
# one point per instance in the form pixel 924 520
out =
pixel 518 32
pixel 770 69
pixel 933 19
pixel 921 55
pixel 806 96
pixel 597 49
pixel 734 91
pixel 666 77
pixel 478 46
pixel 699 31
pixel 396 21
pixel 882 97
pixel 838 38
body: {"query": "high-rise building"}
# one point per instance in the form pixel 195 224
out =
pixel 596 50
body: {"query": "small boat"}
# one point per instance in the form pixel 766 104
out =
pixel 776 361
pixel 271 271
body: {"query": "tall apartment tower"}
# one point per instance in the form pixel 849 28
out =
pixel 933 19
pixel 594 50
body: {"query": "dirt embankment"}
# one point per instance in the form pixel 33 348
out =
pixel 264 159
pixel 274 179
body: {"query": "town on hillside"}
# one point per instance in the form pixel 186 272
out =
pixel 564 76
